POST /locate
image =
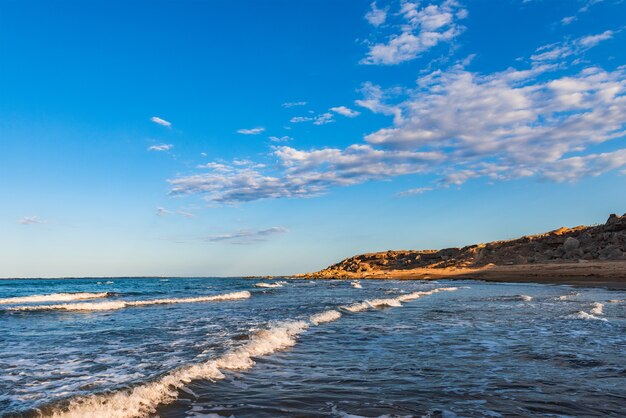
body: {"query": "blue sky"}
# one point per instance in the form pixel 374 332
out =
pixel 230 138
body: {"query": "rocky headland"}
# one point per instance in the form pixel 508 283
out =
pixel 582 255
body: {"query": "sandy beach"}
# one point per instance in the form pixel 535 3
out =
pixel 607 274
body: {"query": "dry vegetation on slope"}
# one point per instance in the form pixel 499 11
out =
pixel 581 244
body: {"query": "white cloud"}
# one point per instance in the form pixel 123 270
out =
pixel 161 211
pixel 417 190
pixel 376 16
pixel 160 147
pixel 561 50
pixel 31 220
pixel 245 237
pixel 593 40
pixel 345 111
pixel 323 119
pixel 423 28
pixel 284 138
pixel 568 19
pixel 253 131
pixel 546 122
pixel 510 124
pixel 293 104
pixel 304 173
pixel 160 121
pixel 300 119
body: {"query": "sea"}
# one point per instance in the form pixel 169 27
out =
pixel 242 347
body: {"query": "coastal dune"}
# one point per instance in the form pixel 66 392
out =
pixel 582 255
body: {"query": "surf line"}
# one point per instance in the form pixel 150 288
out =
pixel 119 304
pixel 143 400
pixel 55 297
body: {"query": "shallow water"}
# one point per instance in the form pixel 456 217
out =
pixel 310 349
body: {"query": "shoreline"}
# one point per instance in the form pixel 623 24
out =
pixel 606 274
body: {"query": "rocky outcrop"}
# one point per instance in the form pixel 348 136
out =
pixel 605 242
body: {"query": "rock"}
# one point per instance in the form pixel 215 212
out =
pixel 571 244
pixel 612 219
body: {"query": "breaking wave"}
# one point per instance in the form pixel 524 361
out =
pixel 356 284
pixel 107 306
pixel 586 316
pixel 598 309
pixel 143 400
pixel 54 297
pixel 393 302
pixel 270 285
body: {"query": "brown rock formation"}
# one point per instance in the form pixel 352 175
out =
pixel 581 244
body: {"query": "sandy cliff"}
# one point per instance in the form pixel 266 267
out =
pixel 567 255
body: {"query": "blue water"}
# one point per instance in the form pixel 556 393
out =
pixel 481 350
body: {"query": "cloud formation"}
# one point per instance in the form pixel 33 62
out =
pixel 302 173
pixel 160 121
pixel 31 220
pixel 253 131
pixel 293 104
pixel 546 121
pixel 376 16
pixel 160 147
pixel 422 28
pixel 161 211
pixel 345 111
pixel 247 237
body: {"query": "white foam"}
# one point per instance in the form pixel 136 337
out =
pixel 567 297
pixel 269 285
pixel 586 316
pixel 526 298
pixel 598 309
pixel 327 316
pixel 393 302
pixel 143 400
pixel 106 306
pixel 54 297
pixel 356 284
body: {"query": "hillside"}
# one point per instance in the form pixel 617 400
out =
pixel 576 250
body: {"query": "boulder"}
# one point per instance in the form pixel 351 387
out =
pixel 571 244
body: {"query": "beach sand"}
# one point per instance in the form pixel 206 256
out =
pixel 608 274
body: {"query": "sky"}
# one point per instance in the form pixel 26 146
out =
pixel 220 138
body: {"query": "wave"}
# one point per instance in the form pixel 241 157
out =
pixel 567 297
pixel 107 306
pixel 393 302
pixel 54 297
pixel 356 284
pixel 327 316
pixel 143 400
pixel 586 316
pixel 270 285
pixel 598 309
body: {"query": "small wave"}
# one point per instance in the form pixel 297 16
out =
pixel 598 309
pixel 107 306
pixel 586 316
pixel 328 316
pixel 107 282
pixel 393 302
pixel 567 297
pixel 356 284
pixel 270 285
pixel 54 297
pixel 142 400
pixel 616 301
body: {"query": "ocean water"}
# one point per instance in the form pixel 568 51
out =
pixel 295 348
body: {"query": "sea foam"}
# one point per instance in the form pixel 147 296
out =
pixel 270 285
pixel 143 400
pixel 54 297
pixel 107 306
